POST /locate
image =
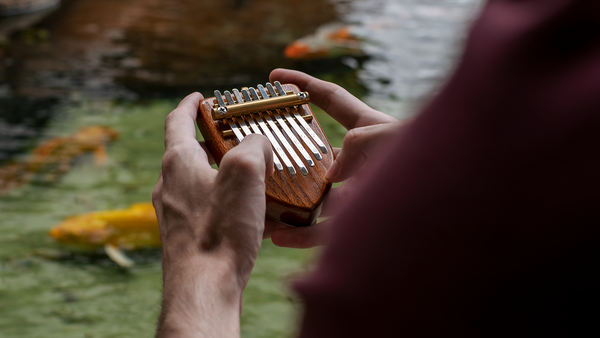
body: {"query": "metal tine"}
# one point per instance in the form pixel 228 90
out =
pixel 241 122
pixel 243 125
pixel 262 91
pixel 219 98
pixel 231 122
pixel 270 136
pixel 256 130
pixel 271 90
pixel 246 95
pixel 287 130
pixel 292 122
pixel 238 97
pixel 253 93
pixel 236 130
pixel 303 123
pixel 251 122
pixel 279 88
pixel 229 98
pixel 247 131
pixel 282 138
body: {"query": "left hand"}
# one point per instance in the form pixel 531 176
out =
pixel 367 130
pixel 211 225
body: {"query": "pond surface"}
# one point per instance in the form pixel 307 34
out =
pixel 125 64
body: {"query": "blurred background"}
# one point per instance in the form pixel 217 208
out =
pixel 85 86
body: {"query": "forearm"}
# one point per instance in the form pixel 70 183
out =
pixel 201 297
pixel 211 227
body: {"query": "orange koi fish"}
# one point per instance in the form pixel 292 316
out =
pixel 113 230
pixel 54 157
pixel 329 41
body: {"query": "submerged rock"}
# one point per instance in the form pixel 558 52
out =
pixel 19 7
pixel 100 47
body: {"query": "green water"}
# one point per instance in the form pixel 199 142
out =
pixel 46 291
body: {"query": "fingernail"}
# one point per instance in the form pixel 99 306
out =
pixel 333 170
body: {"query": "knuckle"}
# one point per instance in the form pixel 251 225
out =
pixel 168 162
pixel 260 139
pixel 170 117
pixel 156 193
pixel 172 157
pixel 353 137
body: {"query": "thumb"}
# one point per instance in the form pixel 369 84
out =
pixel 252 157
pixel 239 190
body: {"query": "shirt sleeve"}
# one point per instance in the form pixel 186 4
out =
pixel 482 218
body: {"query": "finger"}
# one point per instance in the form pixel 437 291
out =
pixel 333 99
pixel 180 125
pixel 182 150
pixel 332 201
pixel 259 145
pixel 359 144
pixel 300 238
pixel 271 225
pixel 239 191
pixel 211 159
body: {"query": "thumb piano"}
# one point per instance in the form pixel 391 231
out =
pixel 301 152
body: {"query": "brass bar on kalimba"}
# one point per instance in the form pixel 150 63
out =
pixel 259 106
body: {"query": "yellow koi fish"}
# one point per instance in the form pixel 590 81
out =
pixel 113 230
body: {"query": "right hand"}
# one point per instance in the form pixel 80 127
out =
pixel 367 129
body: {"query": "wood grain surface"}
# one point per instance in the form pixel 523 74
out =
pixel 292 199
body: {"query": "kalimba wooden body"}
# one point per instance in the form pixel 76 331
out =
pixel 301 152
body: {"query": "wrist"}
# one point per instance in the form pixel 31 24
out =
pixel 200 294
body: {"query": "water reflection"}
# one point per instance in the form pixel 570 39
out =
pixel 412 43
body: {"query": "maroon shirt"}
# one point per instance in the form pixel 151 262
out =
pixel 482 219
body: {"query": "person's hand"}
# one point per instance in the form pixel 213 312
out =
pixel 211 226
pixel 367 129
